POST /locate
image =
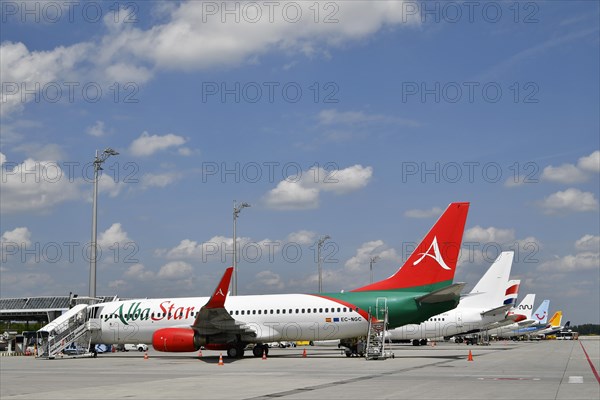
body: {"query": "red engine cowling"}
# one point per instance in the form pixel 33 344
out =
pixel 175 340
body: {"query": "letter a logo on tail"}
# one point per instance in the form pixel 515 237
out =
pixel 436 255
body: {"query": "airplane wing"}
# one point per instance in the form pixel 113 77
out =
pixel 213 318
pixel 441 295
pixel 498 310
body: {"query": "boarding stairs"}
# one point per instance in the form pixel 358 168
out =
pixel 378 326
pixel 71 328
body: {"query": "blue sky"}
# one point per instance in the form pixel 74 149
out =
pixel 361 122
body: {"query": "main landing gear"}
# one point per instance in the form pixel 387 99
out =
pixel 259 348
pixel 236 352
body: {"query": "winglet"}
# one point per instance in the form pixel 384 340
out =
pixel 217 300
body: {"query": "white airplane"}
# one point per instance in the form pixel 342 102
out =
pixel 484 305
pixel 534 321
pixel 554 325
pixel 420 289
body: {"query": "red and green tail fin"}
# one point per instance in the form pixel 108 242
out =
pixel 433 263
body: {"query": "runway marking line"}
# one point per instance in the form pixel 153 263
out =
pixel 590 362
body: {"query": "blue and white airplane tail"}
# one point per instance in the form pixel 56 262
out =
pixel 540 316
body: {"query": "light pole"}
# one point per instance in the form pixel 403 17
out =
pixel 319 245
pixel 98 160
pixel 236 212
pixel 373 261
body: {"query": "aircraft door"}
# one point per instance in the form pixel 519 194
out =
pixel 459 320
pixel 380 307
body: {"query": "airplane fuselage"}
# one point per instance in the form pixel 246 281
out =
pixel 284 317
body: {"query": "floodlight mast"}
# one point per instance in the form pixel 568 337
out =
pixel 236 212
pixel 98 160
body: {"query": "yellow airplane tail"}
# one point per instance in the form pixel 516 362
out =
pixel 556 319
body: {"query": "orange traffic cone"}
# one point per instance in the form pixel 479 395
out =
pixel 146 356
pixel 470 358
pixel 264 357
pixel 221 359
pixel 304 353
pixel 199 353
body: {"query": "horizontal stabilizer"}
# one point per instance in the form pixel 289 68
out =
pixel 527 322
pixel 448 293
pixel 498 310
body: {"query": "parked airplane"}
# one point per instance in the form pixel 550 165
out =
pixel 534 321
pixel 482 306
pixel 518 316
pixel 543 328
pixel 421 288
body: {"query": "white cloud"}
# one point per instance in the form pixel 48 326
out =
pixel 569 173
pixel 488 235
pixel 590 163
pixel 37 151
pixel 269 280
pixel 481 246
pixel 292 196
pixel 360 261
pixel 588 243
pixel 159 180
pixel 117 284
pixel 303 192
pixel 432 212
pixel 302 237
pixel 139 272
pixel 566 173
pixel 97 130
pixel 114 234
pixel 18 236
pixel 35 186
pixel 147 144
pixel 106 184
pixel 345 180
pixel 570 200
pixel 21 69
pixel 175 270
pixel 129 73
pixel 584 261
pixel 183 43
pixel 190 39
pixel 2 158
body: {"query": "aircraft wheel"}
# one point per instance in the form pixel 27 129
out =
pixel 257 351
pixel 235 352
pixel 423 342
pixel 415 342
pixel 232 352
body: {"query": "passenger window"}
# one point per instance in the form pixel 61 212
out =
pixel 303 311
pixel 260 311
pixel 320 310
pixel 297 311
pixel 277 311
pixel 242 312
pixel 283 311
pixel 308 310
pixel 253 312
pixel 271 312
